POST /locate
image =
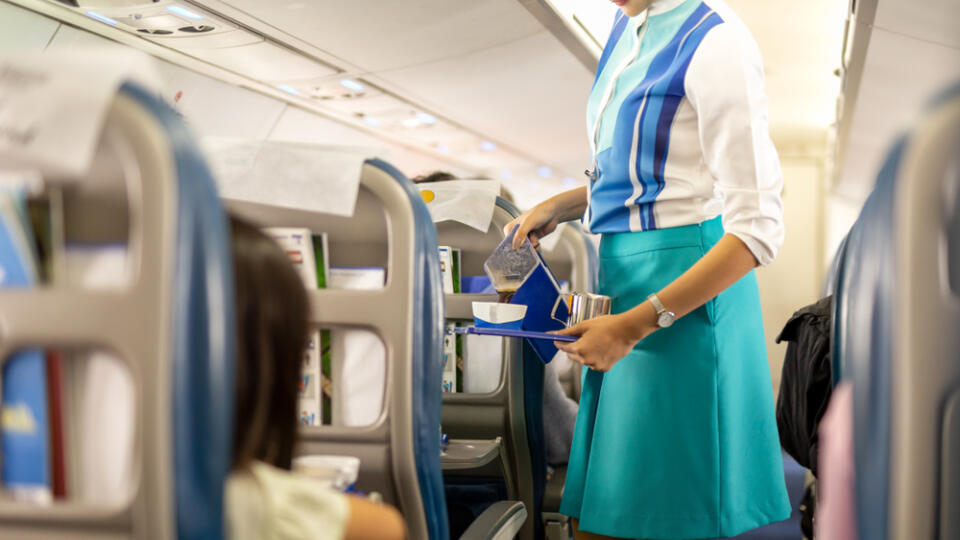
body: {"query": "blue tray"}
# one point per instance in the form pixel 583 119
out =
pixel 505 332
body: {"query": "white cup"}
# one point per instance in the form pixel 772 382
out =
pixel 496 314
pixel 338 472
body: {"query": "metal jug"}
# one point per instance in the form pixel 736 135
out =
pixel 585 306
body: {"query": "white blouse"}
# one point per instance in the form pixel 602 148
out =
pixel 679 130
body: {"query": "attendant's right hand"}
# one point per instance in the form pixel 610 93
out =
pixel 534 224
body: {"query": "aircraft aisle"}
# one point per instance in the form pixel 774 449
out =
pixel 131 130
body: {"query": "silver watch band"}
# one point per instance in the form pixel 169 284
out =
pixel 657 304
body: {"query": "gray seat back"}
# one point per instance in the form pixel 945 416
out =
pixel 924 489
pixel 400 452
pixel 502 412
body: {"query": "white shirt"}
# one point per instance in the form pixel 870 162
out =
pixel 264 502
pixel 678 125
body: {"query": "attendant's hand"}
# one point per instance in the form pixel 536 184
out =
pixel 606 339
pixel 535 224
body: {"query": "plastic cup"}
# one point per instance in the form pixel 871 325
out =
pixel 497 315
pixel 337 472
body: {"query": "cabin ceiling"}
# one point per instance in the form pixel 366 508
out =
pixel 496 68
pixel 490 70
pixel 490 66
pixel 902 54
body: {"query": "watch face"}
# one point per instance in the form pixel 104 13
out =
pixel 665 319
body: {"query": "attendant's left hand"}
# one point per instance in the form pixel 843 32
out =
pixel 603 340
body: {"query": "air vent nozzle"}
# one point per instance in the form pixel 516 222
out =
pixel 199 29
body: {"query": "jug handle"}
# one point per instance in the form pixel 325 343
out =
pixel 556 305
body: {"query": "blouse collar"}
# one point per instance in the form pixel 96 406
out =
pixel 662 6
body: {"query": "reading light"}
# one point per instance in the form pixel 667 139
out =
pixel 351 84
pixel 101 18
pixel 184 12
pixel 544 172
pixel 371 121
pixel 488 146
pixel 288 89
pixel 427 119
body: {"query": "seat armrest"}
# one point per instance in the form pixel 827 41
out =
pixel 501 521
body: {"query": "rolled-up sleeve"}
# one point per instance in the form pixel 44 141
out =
pixel 724 83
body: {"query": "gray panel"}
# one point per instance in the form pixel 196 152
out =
pixel 375 475
pixel 475 245
pixel 554 490
pixel 950 470
pixel 96 211
pixel 466 454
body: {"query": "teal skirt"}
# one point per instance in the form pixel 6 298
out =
pixel 678 439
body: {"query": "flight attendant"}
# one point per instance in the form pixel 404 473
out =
pixel 676 436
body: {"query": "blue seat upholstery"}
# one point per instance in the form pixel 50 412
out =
pixel 863 328
pixel 203 315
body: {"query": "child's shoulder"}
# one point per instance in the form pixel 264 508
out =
pixel 263 501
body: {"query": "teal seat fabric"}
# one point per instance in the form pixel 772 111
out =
pixel 204 341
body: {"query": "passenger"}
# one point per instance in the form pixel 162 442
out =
pixel 559 411
pixel 676 436
pixel 442 176
pixel 263 499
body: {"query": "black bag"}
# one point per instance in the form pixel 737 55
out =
pixel 806 381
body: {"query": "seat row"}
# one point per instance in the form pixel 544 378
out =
pixel 173 328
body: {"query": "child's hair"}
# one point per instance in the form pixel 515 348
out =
pixel 272 311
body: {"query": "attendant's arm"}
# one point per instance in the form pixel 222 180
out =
pixel 605 340
pixel 543 218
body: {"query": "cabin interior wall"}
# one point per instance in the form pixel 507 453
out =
pixel 793 279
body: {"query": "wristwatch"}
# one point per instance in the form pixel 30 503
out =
pixel 664 318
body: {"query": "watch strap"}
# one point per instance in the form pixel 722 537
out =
pixel 657 304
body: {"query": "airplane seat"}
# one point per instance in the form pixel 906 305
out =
pixel 173 327
pixel 896 320
pixel 400 453
pixel 508 415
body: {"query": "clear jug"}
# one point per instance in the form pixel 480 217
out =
pixel 508 268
